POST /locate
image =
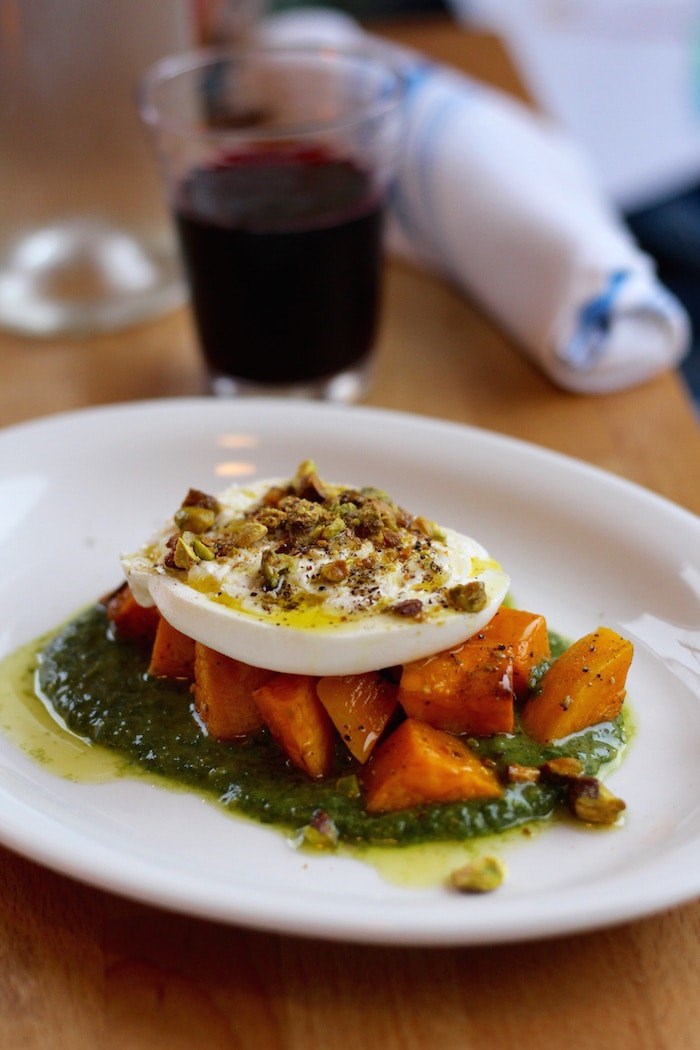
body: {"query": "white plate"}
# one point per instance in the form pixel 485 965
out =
pixel 581 546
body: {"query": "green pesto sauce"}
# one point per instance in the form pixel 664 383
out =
pixel 101 690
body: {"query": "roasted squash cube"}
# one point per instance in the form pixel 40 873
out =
pixel 131 622
pixel 298 721
pixel 418 764
pixel 584 686
pixel 172 655
pixel 468 689
pixel 223 693
pixel 360 707
pixel 526 634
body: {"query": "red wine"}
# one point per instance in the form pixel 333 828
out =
pixel 283 254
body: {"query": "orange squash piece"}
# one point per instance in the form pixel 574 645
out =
pixel 131 622
pixel 526 634
pixel 298 721
pixel 418 764
pixel 468 689
pixel 360 707
pixel 584 686
pixel 223 693
pixel 172 655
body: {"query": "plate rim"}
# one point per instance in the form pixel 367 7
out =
pixel 264 404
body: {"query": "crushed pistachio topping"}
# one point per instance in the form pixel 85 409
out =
pixel 480 876
pixel 320 833
pixel 468 597
pixel 306 541
pixel 588 799
pixel 591 801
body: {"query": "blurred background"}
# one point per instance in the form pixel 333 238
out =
pixel 624 77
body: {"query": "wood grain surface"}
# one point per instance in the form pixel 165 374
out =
pixel 81 968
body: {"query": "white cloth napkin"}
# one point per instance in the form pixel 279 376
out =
pixel 503 203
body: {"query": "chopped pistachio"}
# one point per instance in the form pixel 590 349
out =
pixel 273 566
pixel 333 529
pixel 348 785
pixel 412 607
pixel 428 528
pixel 195 519
pixel 372 492
pixel 320 832
pixel 273 496
pixel 335 571
pixel 561 770
pixel 592 802
pixel 184 554
pixel 347 509
pixel 307 484
pixel 519 774
pixel 480 876
pixel 468 597
pixel 390 538
pixel 197 498
pixel 304 519
pixel 306 467
pixel 190 549
pixel 246 533
pixel 375 516
pixel 202 550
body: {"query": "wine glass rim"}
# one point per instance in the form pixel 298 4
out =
pixel 171 67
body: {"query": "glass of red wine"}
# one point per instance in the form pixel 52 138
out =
pixel 278 163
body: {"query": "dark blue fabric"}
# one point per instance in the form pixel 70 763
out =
pixel 669 230
pixel 367 9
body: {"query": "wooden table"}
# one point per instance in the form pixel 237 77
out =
pixel 80 968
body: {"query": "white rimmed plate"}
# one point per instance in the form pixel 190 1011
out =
pixel 581 546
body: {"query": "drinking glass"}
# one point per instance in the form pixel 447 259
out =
pixel 86 242
pixel 277 163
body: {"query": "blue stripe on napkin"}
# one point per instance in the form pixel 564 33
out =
pixel 594 322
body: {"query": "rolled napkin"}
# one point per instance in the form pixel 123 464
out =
pixel 498 199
